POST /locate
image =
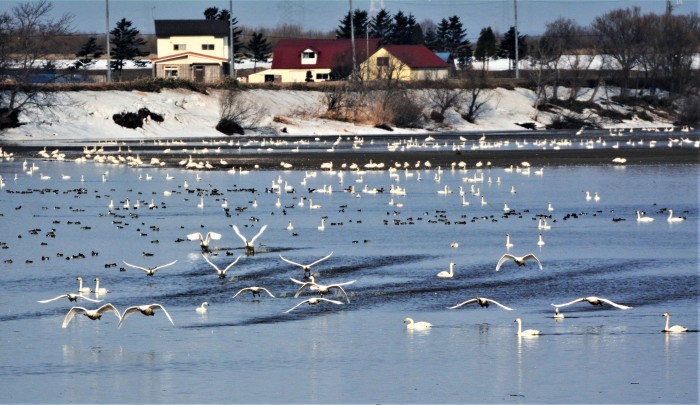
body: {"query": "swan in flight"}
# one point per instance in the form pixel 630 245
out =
pixel 593 301
pixel 446 273
pixel 82 289
pixel 484 302
pixel 204 241
pixel 671 218
pixel 93 314
pixel 416 325
pixel 519 260
pixel 254 290
pixel 527 332
pixel 71 297
pixel 674 328
pixel 249 244
pixel 321 288
pixel 144 309
pixel 221 273
pixel 640 218
pixel 314 301
pixel 202 309
pixel 306 267
pixel 151 271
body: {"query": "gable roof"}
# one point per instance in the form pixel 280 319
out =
pixel 416 56
pixel 171 28
pixel 330 52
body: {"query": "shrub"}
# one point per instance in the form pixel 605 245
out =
pixel 135 120
pixel 385 127
pixel 437 117
pixel 229 127
pixel 404 110
pixel 9 119
pixel 689 113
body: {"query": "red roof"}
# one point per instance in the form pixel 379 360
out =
pixel 416 56
pixel 330 52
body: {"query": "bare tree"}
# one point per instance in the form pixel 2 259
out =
pixel 443 96
pixel 474 97
pixel 27 38
pixel 237 112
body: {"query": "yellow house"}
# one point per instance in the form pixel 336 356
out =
pixel 196 50
pixel 404 62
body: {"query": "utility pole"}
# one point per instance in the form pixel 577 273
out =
pixel 230 38
pixel 517 71
pixel 352 42
pixel 109 53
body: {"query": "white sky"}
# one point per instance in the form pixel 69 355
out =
pixel 324 15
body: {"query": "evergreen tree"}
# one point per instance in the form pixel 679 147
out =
pixel 125 46
pixel 87 54
pixel 259 48
pixel 507 48
pixel 417 37
pixel 430 39
pixel 441 36
pixel 381 26
pixel 486 45
pixel 403 29
pixel 457 43
pixel 213 13
pixel 359 21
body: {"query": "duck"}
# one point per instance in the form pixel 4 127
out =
pixel 672 219
pixel 519 260
pixel 421 325
pixel 446 273
pixel 527 332
pixel 307 267
pixel 202 309
pixel 152 270
pixel 147 310
pixel 221 273
pixel 249 244
pixel 674 328
pixel 94 314
pixel 255 290
pixel 484 302
pixel 593 301
pixel 314 301
pixel 80 286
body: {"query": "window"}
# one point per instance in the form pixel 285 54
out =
pixel 170 72
pixel 207 47
pixel 321 76
pixel 308 55
pixel 382 61
pixel 179 47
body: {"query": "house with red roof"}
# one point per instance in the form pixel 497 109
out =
pixel 305 60
pixel 194 50
pixel 404 62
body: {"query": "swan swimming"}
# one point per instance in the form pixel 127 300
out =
pixel 540 242
pixel 519 260
pixel 93 314
pixel 527 332
pixel 557 314
pixel 249 244
pixel 80 286
pixel 447 274
pixel 202 309
pixel 204 241
pixel 508 243
pixel 674 328
pixel 321 288
pixel 71 297
pixel 99 290
pixel 144 309
pixel 314 301
pixel 593 301
pixel 671 218
pixel 151 271
pixel 254 290
pixel 640 218
pixel 221 273
pixel 306 267
pixel 417 325
pixel 484 302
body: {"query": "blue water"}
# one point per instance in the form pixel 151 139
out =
pixel 250 350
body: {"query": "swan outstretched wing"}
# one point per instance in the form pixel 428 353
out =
pixel 153 306
pixel 294 263
pixel 66 295
pixel 260 232
pixel 212 264
pixel 297 281
pixel 71 314
pixel 232 264
pixel 109 308
pixel 614 304
pixel 341 289
pixel 320 260
pixel 316 300
pixel 503 259
pixel 212 236
pixel 267 291
pixel 164 265
pixel 499 304
pixel 569 303
pixel 137 267
pixel 531 256
pixel 304 285
pixel 235 229
pixel 294 307
pixel 195 236
pixel 127 313
pixel 343 284
pixel 463 303
pixel 241 291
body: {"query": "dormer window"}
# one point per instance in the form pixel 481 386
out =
pixel 309 57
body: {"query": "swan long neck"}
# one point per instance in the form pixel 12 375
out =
pixel 668 321
pixel 97 284
pixel 520 328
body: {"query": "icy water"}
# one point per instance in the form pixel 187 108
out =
pixel 250 350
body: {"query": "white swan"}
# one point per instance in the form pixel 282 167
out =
pixel 254 290
pixel 640 218
pixel 447 274
pixel 306 267
pixel 314 301
pixel 144 309
pixel 322 227
pixel 417 325
pixel 671 218
pixel 80 286
pixel 484 302
pixel 321 288
pixel 221 273
pixel 540 242
pixel 204 241
pixel 519 260
pixel 549 207
pixel 593 301
pixel 290 227
pixel 93 314
pixel 71 297
pixel 557 314
pixel 674 328
pixel 249 244
pixel 508 244
pixel 151 271
pixel 202 309
pixel 99 290
pixel 527 332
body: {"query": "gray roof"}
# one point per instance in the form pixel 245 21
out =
pixel 169 28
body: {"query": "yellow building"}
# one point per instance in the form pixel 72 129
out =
pixel 196 50
pixel 404 62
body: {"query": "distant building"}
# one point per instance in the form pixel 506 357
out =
pixel 196 50
pixel 404 62
pixel 301 60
